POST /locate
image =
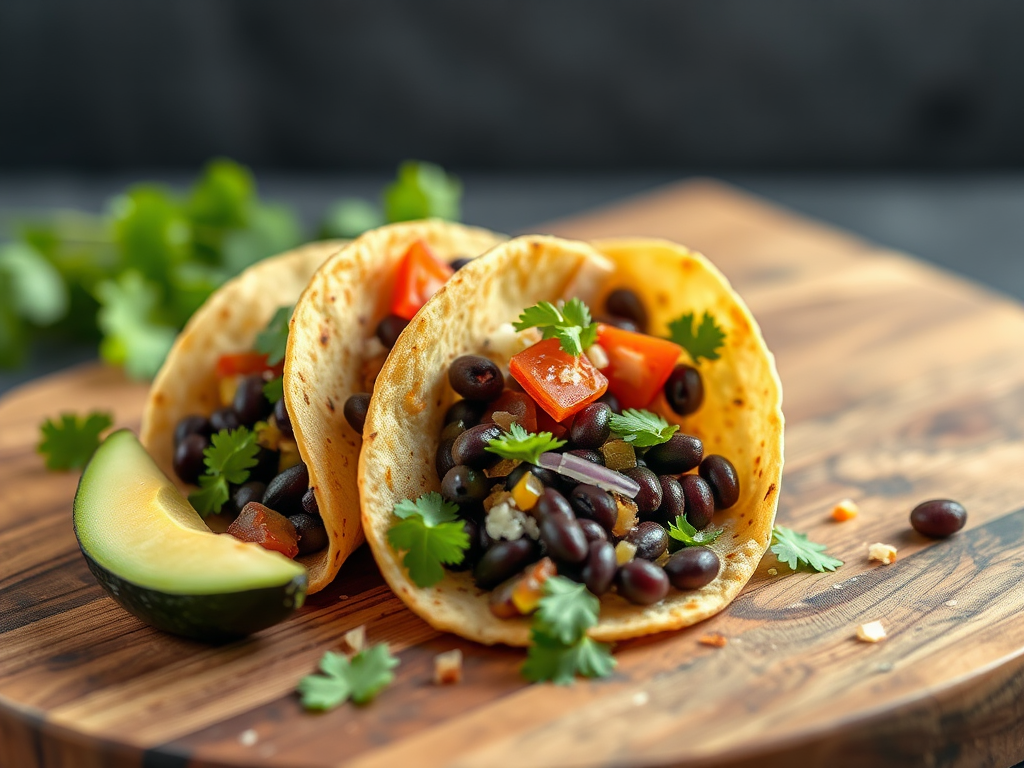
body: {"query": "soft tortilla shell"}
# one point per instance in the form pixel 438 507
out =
pixel 334 318
pixel 741 419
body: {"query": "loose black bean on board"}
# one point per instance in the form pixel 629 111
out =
pixel 938 518
pixel 389 329
pixel 700 501
pixel 692 567
pixel 355 409
pixel 312 534
pixel 504 559
pixel 650 540
pixel 591 426
pixel 593 503
pixel 649 497
pixel 476 378
pixel 189 462
pixel 622 302
pixel 679 454
pixel 470 447
pixel 600 567
pixel 720 474
pixel 284 493
pixel 684 390
pixel 642 582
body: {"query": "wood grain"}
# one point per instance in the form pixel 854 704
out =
pixel 901 383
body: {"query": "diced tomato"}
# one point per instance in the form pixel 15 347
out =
pixel 559 383
pixel 519 404
pixel 264 526
pixel 420 275
pixel 638 364
pixel 547 424
pixel 244 363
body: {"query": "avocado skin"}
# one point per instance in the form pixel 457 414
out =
pixel 210 618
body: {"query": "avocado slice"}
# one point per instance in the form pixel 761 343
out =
pixel 153 554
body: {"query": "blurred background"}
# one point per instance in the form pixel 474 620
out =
pixel 900 121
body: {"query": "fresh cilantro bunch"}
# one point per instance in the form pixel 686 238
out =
pixel 360 678
pixel 228 458
pixel 705 341
pixel 560 648
pixel 796 550
pixel 517 443
pixel 71 442
pixel 572 325
pixel 431 535
pixel 685 535
pixel 642 428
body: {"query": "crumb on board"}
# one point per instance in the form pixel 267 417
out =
pixel 355 639
pixel 871 632
pixel 845 510
pixel 773 571
pixel 950 603
pixel 448 667
pixel 714 639
pixel 883 553
pixel 248 738
pixel 640 698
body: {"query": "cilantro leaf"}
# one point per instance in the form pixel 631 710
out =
pixel 360 678
pixel 688 536
pixel 642 428
pixel 796 550
pixel 273 340
pixel 567 610
pixel 38 292
pixel 517 443
pixel 704 342
pixel 228 458
pixel 593 659
pixel 71 442
pixel 431 535
pixel 273 390
pixel 131 336
pixel 572 325
pixel 422 191
pixel 350 217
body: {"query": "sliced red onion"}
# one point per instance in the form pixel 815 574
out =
pixel 589 472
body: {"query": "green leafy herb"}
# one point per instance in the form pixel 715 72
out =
pixel 572 325
pixel 350 217
pixel 360 678
pixel 38 293
pixel 71 442
pixel 688 536
pixel 273 390
pixel 422 191
pixel 431 535
pixel 228 458
pixel 796 550
pixel 567 610
pixel 642 428
pixel 704 342
pixel 517 443
pixel 273 340
pixel 131 336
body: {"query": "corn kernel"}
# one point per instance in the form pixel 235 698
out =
pixel 527 491
pixel 624 552
pixel 530 589
pixel 268 435
pixel 626 521
pixel 845 510
pixel 227 387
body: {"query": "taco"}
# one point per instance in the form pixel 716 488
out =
pixel 474 407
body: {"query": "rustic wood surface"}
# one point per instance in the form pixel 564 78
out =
pixel 901 383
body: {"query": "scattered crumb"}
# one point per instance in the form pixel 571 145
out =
pixel 343 597
pixel 248 738
pixel 950 603
pixel 885 666
pixel 773 571
pixel 845 510
pixel 448 667
pixel 356 638
pixel 640 698
pixel 837 586
pixel 714 639
pixel 884 553
pixel 872 632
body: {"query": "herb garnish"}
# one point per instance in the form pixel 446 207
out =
pixel 642 428
pixel 796 550
pixel 572 325
pixel 431 535
pixel 71 442
pixel 360 678
pixel 517 443
pixel 681 531
pixel 560 648
pixel 273 340
pixel 273 390
pixel 705 342
pixel 228 458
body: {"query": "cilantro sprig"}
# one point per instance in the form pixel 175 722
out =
pixel 431 535
pixel 228 458
pixel 796 550
pixel 687 536
pixel 70 442
pixel 560 648
pixel 704 342
pixel 360 678
pixel 273 340
pixel 517 443
pixel 642 428
pixel 572 325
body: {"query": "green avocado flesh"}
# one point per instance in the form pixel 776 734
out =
pixel 152 552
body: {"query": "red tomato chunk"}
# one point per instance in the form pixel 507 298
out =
pixel 244 363
pixel 638 364
pixel 519 404
pixel 559 383
pixel 420 275
pixel 262 525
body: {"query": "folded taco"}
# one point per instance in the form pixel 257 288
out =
pixel 511 437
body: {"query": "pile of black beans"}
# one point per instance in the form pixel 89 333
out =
pixel 286 492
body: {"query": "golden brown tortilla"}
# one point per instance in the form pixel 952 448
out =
pixel 741 418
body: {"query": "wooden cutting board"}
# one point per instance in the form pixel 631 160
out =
pixel 901 384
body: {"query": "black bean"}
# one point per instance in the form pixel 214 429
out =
pixel 476 378
pixel 309 503
pixel 684 389
pixel 595 504
pixel 389 328
pixel 453 430
pixel 466 411
pixel 622 302
pixel 284 493
pixel 563 538
pixel 591 426
pixel 594 457
pixel 546 476
pixel 641 582
pixel 618 322
pixel 443 460
pixel 650 540
pixel 611 401
pixel 592 529
pixel 464 485
pixel 224 418
pixel 312 534
pixel 673 502
pixel 692 568
pixel 460 262
pixel 720 474
pixel 355 409
pixel 470 447
pixel 192 425
pixel 600 567
pixel 553 504
pixel 649 497
pixel 249 402
pixel 469 559
pixel 700 501
pixel 938 518
pixel 267 462
pixel 189 462
pixel 504 559
pixel 283 420
pixel 250 491
pixel 679 454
